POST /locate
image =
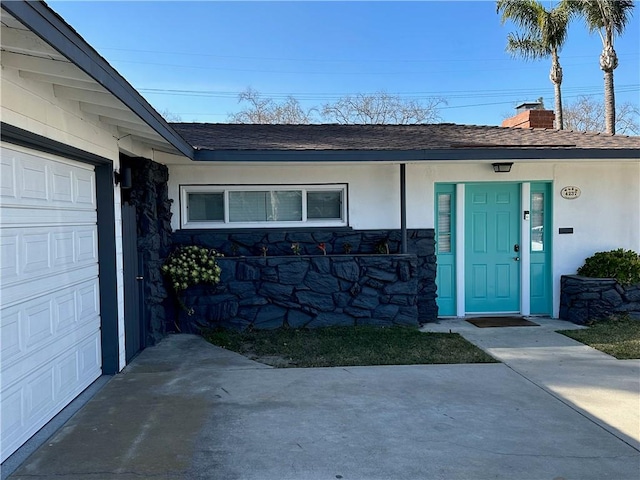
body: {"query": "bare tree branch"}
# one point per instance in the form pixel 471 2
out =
pixel 376 108
pixel 587 114
pixel 266 110
pixel 380 108
pixel 170 116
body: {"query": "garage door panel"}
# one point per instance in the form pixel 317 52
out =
pixel 12 408
pixel 35 252
pixel 33 358
pixel 39 394
pixel 62 244
pixel 38 320
pixel 7 177
pixel 48 325
pixel 28 253
pixel 31 402
pixel 88 300
pixel 32 179
pixel 86 240
pixel 65 311
pixel 62 184
pixel 8 256
pixel 23 291
pixel 47 217
pixel 84 184
pixel 11 346
pixel 50 313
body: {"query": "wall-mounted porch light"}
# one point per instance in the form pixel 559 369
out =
pixel 123 177
pixel 504 167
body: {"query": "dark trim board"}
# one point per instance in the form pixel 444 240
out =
pixel 51 28
pixel 411 156
pixel 106 231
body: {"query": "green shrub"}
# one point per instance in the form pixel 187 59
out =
pixel 191 265
pixel 623 265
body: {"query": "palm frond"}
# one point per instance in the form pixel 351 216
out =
pixel 599 14
pixel 526 47
pixel 523 13
pixel 542 31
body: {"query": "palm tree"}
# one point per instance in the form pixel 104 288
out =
pixel 543 34
pixel 608 18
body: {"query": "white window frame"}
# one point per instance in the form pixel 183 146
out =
pixel 185 190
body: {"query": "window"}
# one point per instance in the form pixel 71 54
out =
pixel 209 206
pixel 270 206
pixel 444 223
pixel 537 222
pixel 205 207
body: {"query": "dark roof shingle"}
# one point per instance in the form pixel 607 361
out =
pixel 322 137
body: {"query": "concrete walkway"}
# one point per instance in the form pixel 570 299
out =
pixel 187 410
pixel 597 385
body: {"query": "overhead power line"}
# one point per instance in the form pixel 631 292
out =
pixel 524 94
pixel 448 94
pixel 336 60
pixel 466 69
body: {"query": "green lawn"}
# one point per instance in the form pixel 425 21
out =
pixel 617 337
pixel 349 346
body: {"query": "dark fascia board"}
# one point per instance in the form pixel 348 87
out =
pixel 457 154
pixel 51 28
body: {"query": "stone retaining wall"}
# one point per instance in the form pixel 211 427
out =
pixel 250 243
pixel 583 299
pixel 307 291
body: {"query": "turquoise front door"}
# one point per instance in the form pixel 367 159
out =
pixel 492 248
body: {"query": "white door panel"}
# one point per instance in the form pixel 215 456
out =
pixel 50 311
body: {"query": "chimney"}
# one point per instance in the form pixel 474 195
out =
pixel 531 115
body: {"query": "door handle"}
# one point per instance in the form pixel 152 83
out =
pixel 139 277
pixel 517 259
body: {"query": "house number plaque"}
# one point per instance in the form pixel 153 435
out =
pixel 570 192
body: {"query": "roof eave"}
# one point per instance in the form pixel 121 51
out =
pixel 471 154
pixel 45 23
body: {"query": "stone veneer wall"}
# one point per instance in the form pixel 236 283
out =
pixel 364 243
pixel 583 299
pixel 307 291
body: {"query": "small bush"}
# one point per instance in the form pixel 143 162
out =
pixel 623 265
pixel 191 265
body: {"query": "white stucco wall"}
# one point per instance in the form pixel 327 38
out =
pixel 33 106
pixel 604 217
pixel 374 199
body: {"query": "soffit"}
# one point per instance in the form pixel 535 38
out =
pixel 36 60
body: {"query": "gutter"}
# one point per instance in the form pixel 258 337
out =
pixel 400 156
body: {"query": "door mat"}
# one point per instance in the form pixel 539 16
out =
pixel 484 322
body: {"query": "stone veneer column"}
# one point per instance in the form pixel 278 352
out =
pixel 149 194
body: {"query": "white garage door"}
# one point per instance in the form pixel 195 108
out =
pixel 49 310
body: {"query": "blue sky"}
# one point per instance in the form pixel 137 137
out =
pixel 193 58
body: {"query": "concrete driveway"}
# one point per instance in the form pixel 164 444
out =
pixel 188 410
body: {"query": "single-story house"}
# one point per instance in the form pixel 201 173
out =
pixel 512 209
pixel 96 185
